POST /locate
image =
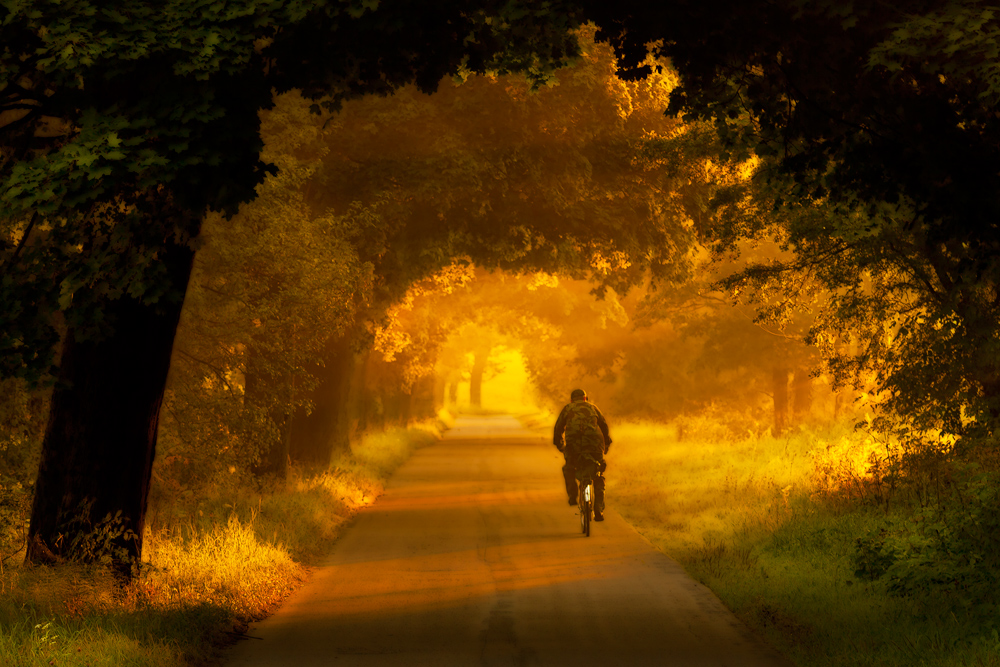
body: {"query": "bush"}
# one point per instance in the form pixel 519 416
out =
pixel 838 549
pixel 950 552
pixel 873 556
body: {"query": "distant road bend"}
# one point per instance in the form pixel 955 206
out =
pixel 473 557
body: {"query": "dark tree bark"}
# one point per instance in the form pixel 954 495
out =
pixel 802 396
pixel 423 398
pixel 779 382
pixel 316 437
pixel 476 378
pixel 97 454
pixel 357 408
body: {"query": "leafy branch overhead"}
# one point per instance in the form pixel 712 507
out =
pixel 130 122
pixel 878 148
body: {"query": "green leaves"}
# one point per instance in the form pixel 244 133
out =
pixel 157 110
pixel 73 175
pixel 945 556
pixel 957 43
pixel 879 149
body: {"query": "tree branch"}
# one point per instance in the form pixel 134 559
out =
pixel 17 251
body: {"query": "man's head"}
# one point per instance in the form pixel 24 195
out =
pixel 578 395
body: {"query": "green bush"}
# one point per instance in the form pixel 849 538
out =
pixel 873 556
pixel 948 554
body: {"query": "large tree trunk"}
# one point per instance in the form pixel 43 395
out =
pixel 779 381
pixel 316 437
pixel 97 454
pixel 476 378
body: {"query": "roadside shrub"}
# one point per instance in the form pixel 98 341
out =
pixel 951 552
pixel 873 557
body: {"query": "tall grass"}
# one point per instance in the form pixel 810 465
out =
pixel 771 525
pixel 214 561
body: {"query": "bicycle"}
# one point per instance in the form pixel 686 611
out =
pixel 585 502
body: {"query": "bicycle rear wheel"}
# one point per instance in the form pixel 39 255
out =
pixel 586 507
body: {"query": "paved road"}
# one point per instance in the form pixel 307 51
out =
pixel 473 557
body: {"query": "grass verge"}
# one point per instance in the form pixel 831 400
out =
pixel 764 524
pixel 216 561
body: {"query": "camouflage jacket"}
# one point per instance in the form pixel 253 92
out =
pixel 583 426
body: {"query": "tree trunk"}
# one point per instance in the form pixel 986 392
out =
pixel 405 408
pixel 358 395
pixel 391 408
pixel 440 384
pixel 316 437
pixel 377 407
pixel 97 454
pixel 258 385
pixel 422 398
pixel 476 378
pixel 779 380
pixel 366 406
pixel 802 386
pixel 274 461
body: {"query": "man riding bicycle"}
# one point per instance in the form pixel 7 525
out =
pixel 586 442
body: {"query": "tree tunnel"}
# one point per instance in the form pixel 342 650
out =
pixel 363 248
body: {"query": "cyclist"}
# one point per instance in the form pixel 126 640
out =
pixel 586 442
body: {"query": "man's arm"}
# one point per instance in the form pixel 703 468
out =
pixel 557 433
pixel 602 423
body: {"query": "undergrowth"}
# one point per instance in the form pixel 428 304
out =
pixel 818 545
pixel 214 561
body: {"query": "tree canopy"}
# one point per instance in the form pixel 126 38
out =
pixel 388 203
pixel 121 126
pixel 861 140
pixel 879 153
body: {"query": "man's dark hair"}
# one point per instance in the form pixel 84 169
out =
pixel 577 394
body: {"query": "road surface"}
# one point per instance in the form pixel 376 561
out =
pixel 474 557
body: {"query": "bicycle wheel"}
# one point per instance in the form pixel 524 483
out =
pixel 587 507
pixel 581 506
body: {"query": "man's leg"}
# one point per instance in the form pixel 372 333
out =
pixel 599 491
pixel 569 475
